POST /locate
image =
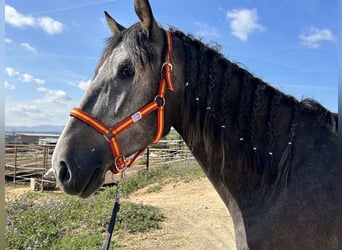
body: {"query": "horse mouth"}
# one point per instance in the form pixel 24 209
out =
pixel 94 183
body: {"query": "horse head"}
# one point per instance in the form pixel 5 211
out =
pixel 129 85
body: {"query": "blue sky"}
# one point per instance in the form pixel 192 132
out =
pixel 52 47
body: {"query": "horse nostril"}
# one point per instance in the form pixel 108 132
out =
pixel 64 174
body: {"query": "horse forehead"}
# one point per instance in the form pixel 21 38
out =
pixel 118 55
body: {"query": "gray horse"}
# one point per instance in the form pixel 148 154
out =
pixel 271 158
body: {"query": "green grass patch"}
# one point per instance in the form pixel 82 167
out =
pixel 72 223
pixel 176 172
pixel 154 188
pixel 39 221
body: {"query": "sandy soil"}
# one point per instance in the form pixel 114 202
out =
pixel 11 193
pixel 196 218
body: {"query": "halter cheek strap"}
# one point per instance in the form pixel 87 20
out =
pixel 158 104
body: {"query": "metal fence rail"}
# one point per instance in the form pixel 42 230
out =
pixel 23 162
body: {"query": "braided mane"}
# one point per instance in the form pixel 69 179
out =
pixel 241 119
pixel 242 122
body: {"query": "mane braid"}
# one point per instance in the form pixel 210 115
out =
pixel 285 162
pixel 203 79
pixel 212 84
pixel 223 100
pixel 274 108
pixel 243 108
pixel 187 49
pixel 212 90
pixel 187 54
pixel 259 91
pixel 236 117
pixel 191 49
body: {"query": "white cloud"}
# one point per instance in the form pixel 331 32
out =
pixel 8 41
pixel 206 30
pixel 17 19
pixel 9 86
pixel 28 47
pixel 30 78
pixel 11 72
pixel 81 84
pixel 24 109
pixel 47 24
pixel 54 96
pixel 244 22
pixel 50 25
pixel 24 77
pixel 315 37
pixel 39 81
pixel 42 89
pixel 33 113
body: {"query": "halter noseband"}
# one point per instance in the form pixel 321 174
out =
pixel 110 134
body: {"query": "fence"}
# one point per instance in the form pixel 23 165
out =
pixel 23 162
pixel 167 152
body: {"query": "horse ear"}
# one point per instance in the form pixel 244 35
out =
pixel 144 12
pixel 113 25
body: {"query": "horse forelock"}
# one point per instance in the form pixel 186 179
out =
pixel 239 118
pixel 136 42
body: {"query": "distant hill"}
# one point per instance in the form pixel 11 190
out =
pixel 35 129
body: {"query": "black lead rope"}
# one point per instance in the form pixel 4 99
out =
pixel 111 225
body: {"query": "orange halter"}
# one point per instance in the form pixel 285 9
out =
pixel 110 134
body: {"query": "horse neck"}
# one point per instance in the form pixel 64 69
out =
pixel 240 129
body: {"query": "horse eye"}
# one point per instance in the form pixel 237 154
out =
pixel 126 70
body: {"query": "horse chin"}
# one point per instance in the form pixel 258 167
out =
pixel 94 183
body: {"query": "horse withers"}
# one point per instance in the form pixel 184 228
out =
pixel 271 158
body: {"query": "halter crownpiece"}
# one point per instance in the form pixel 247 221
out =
pixel 158 104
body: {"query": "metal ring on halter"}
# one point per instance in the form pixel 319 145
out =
pixel 120 159
pixel 109 136
pixel 160 101
pixel 163 66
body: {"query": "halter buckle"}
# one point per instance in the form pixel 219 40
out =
pixel 163 67
pixel 118 161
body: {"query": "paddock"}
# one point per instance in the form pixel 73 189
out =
pixel 27 163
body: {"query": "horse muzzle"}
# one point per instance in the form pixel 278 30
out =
pixel 75 176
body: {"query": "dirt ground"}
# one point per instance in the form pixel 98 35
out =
pixel 196 218
pixel 11 193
